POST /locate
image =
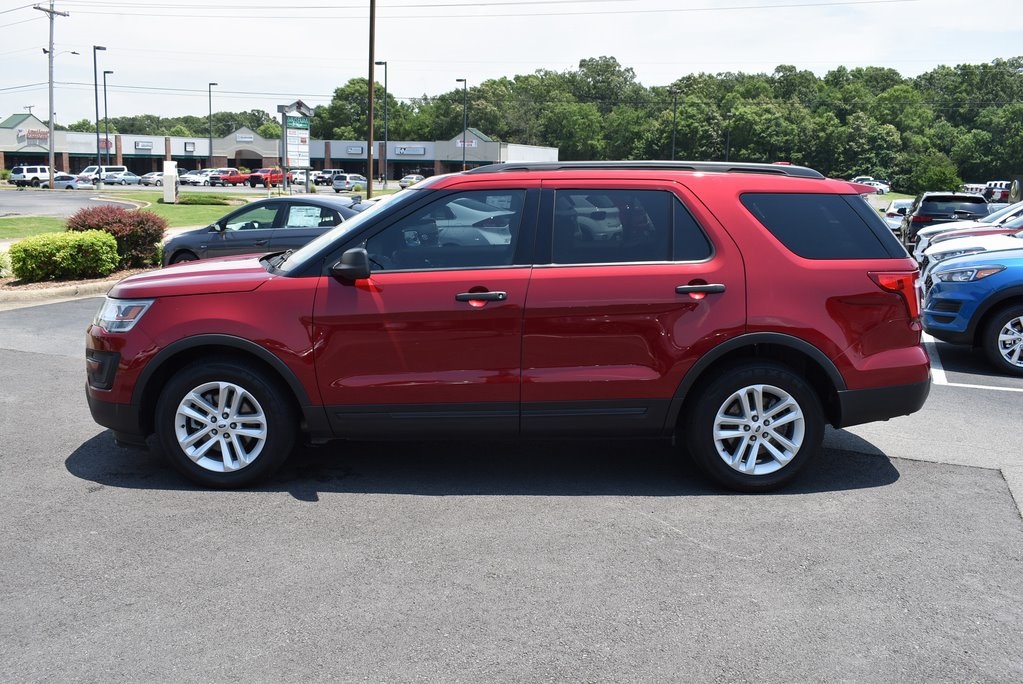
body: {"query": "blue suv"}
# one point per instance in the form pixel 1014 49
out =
pixel 977 300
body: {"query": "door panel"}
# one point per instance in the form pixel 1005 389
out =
pixel 607 344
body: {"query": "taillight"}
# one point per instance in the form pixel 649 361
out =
pixel 903 283
pixel 921 219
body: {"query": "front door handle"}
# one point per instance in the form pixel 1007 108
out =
pixel 481 296
pixel 260 243
pixel 707 288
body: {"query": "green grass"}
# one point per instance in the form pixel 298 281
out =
pixel 17 227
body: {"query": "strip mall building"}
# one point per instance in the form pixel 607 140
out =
pixel 24 140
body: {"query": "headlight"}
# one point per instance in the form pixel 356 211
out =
pixel 121 315
pixel 941 256
pixel 967 275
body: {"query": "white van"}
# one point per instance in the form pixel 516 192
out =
pixel 30 175
pixel 92 174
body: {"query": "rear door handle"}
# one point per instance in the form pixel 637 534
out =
pixel 481 296
pixel 707 288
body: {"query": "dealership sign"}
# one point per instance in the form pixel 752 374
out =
pixel 410 150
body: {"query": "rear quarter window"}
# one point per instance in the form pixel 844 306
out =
pixel 824 226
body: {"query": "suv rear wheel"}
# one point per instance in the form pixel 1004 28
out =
pixel 224 424
pixel 755 426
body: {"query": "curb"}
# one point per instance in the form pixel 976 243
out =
pixel 17 300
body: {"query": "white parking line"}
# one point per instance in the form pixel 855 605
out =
pixel 938 376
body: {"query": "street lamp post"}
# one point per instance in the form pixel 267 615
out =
pixel 674 118
pixel 210 165
pixel 728 134
pixel 106 120
pixel 95 87
pixel 465 114
pixel 384 65
pixel 51 13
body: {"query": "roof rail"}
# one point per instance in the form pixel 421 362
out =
pixel 700 166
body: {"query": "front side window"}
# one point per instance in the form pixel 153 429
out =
pixel 472 229
pixel 254 218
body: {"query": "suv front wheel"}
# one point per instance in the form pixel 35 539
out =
pixel 754 426
pixel 1002 340
pixel 224 424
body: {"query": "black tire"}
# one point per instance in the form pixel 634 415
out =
pixel 35 182
pixel 1002 339
pixel 255 403
pixel 252 183
pixel 159 183
pixel 182 257
pixel 778 454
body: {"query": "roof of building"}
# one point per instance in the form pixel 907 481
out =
pixel 15 120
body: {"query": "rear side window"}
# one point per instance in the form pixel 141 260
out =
pixel 597 226
pixel 819 226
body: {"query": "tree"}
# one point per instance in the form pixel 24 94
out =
pixel 82 126
pixel 271 130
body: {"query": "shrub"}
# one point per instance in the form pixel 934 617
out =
pixel 5 265
pixel 357 187
pixel 201 198
pixel 138 232
pixel 65 256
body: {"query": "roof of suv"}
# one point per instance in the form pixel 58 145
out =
pixel 699 166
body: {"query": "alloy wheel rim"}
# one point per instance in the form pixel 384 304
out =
pixel 1010 342
pixel 759 429
pixel 220 427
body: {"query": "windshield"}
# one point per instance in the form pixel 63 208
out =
pixel 311 249
pixel 993 217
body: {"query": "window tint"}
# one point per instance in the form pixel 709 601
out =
pixel 256 218
pixel 593 226
pixel 462 230
pixel 310 216
pixel 817 226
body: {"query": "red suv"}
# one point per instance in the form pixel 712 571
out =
pixel 738 308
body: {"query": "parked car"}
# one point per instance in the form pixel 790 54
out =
pixel 932 208
pixel 894 212
pixel 925 236
pixel 297 177
pixel 121 178
pixel 881 187
pixel 410 179
pixel 975 300
pixel 232 179
pixel 273 224
pixel 93 173
pixel 222 175
pixel 997 191
pixel 756 305
pixel 30 176
pixel 325 176
pixel 193 177
pixel 64 181
pixel 266 177
pixel 347 182
pixel 154 178
pixel 970 244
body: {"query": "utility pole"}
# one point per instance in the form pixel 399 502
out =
pixel 51 12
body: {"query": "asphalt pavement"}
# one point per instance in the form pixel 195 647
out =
pixel 897 557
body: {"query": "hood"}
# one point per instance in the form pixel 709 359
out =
pixel 988 243
pixel 206 276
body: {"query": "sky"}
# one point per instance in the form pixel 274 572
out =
pixel 263 53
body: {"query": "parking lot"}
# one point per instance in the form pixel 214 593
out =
pixel 897 557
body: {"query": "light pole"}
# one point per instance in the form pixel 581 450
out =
pixel 465 114
pixel 95 87
pixel 674 118
pixel 106 121
pixel 384 65
pixel 210 165
pixel 728 133
pixel 51 13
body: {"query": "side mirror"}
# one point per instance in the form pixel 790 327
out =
pixel 901 211
pixel 216 228
pixel 354 265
